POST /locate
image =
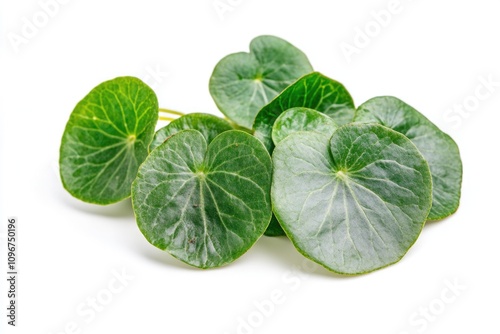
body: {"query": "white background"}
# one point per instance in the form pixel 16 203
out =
pixel 433 55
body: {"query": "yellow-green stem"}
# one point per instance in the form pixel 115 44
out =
pixel 171 112
pixel 163 118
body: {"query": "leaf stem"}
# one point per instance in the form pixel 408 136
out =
pixel 171 112
pixel 163 118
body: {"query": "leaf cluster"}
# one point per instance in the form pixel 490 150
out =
pixel 351 187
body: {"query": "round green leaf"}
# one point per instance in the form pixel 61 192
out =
pixel 354 203
pixel 314 91
pixel 439 149
pixel 106 139
pixel 242 83
pixel 209 125
pixel 205 206
pixel 302 119
pixel 293 120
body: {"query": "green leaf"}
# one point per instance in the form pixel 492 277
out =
pixel 106 139
pixel 354 203
pixel 302 119
pixel 274 229
pixel 209 126
pixel 314 91
pixel 205 206
pixel 291 121
pixel 242 83
pixel 439 149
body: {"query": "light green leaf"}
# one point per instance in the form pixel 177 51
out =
pixel 106 139
pixel 242 83
pixel 209 125
pixel 205 206
pixel 314 91
pixel 354 203
pixel 302 119
pixel 439 149
pixel 291 121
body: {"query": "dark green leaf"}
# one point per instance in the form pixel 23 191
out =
pixel 106 139
pixel 313 91
pixel 274 229
pixel 209 125
pixel 242 83
pixel 439 149
pixel 354 203
pixel 205 206
pixel 302 119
